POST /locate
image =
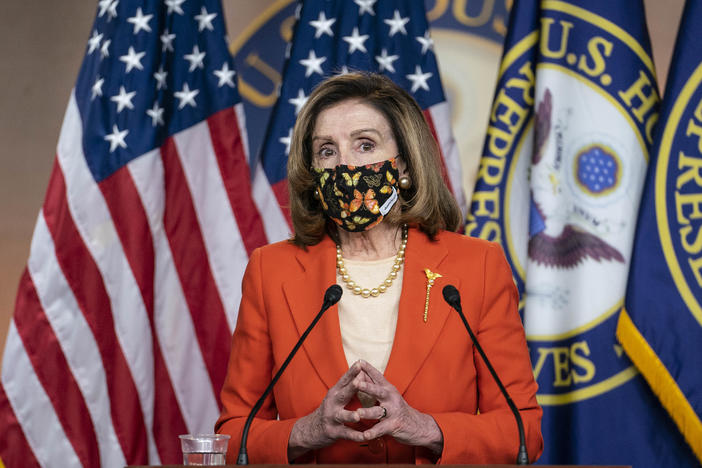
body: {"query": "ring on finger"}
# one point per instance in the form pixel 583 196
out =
pixel 385 413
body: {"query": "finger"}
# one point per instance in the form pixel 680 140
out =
pixel 379 430
pixel 379 392
pixel 349 375
pixel 345 416
pixel 374 412
pixel 343 391
pixel 360 377
pixel 341 397
pixel 345 432
pixel 375 375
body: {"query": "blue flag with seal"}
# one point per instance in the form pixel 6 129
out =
pixel 661 326
pixel 562 171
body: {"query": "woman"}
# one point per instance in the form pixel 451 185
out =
pixel 389 375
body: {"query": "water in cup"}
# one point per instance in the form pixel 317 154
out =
pixel 203 458
pixel 204 449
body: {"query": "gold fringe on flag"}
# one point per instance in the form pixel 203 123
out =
pixel 661 382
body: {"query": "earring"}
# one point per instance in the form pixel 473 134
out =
pixel 316 194
pixel 404 182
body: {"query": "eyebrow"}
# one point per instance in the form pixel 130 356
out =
pixel 365 130
pixel 355 133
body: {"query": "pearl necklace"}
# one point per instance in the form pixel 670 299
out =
pixel 375 292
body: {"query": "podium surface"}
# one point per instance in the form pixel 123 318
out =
pixel 382 465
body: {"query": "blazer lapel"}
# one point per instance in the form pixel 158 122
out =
pixel 413 337
pixel 304 293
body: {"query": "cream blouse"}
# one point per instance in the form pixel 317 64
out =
pixel 368 324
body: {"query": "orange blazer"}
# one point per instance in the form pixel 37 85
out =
pixel 433 365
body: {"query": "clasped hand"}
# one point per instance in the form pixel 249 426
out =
pixel 396 418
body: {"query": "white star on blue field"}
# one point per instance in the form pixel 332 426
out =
pixel 597 169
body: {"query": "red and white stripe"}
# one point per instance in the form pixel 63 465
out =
pixel 123 322
pixel 275 204
pixel 275 221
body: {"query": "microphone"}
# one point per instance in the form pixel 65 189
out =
pixel 331 297
pixel 453 298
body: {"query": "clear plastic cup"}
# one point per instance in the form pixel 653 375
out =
pixel 204 449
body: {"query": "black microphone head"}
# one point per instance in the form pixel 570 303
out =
pixel 451 295
pixel 333 294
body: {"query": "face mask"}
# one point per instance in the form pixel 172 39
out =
pixel 357 198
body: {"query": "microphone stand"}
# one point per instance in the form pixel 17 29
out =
pixel 331 297
pixel 453 298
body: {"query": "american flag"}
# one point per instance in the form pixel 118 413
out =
pixel 123 319
pixel 330 37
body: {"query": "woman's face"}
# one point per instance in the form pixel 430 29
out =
pixel 351 133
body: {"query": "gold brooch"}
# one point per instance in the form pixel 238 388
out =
pixel 431 276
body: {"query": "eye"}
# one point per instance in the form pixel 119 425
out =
pixel 325 152
pixel 366 146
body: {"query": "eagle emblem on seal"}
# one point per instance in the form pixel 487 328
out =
pixel 554 240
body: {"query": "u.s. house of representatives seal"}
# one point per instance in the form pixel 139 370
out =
pixel 559 187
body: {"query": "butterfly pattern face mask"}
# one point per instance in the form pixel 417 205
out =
pixel 357 198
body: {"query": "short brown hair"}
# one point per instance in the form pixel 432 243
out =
pixel 428 204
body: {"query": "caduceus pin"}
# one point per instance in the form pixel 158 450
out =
pixel 431 277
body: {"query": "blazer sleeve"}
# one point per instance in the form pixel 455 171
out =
pixel 249 372
pixel 492 436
